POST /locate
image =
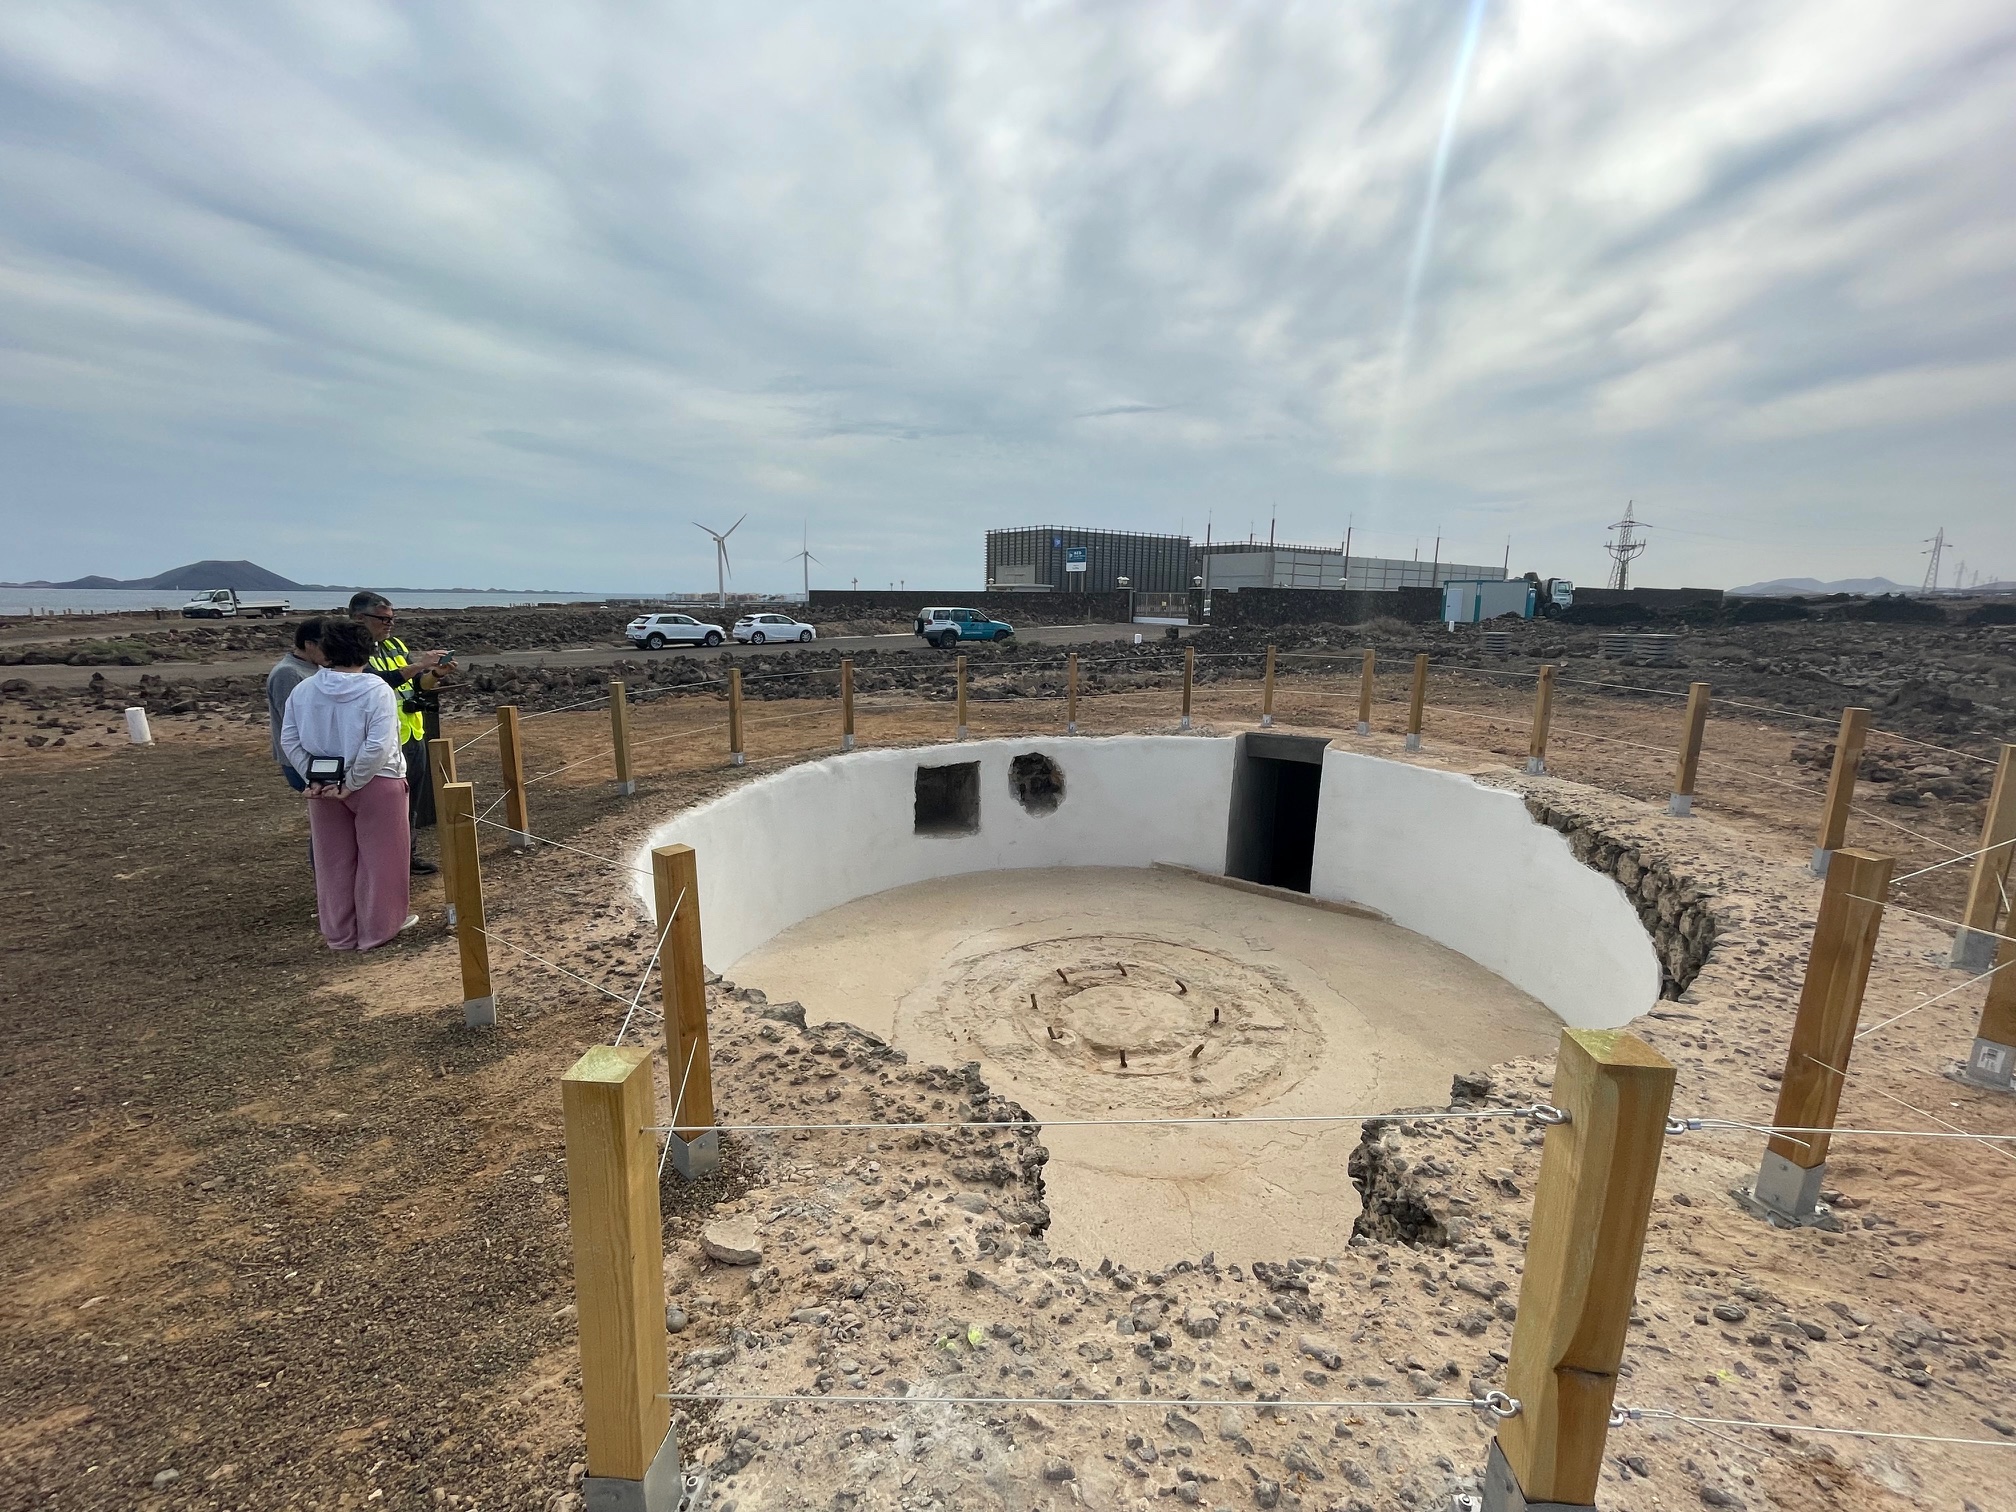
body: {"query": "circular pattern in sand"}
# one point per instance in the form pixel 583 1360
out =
pixel 1092 1022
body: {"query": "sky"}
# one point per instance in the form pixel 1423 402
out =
pixel 510 295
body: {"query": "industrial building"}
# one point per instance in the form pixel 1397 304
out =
pixel 1232 565
pixel 1066 559
pixel 1061 558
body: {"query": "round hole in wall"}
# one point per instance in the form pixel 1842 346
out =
pixel 1037 782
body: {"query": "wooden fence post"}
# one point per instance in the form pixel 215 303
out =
pixel 1365 694
pixel 1992 1061
pixel 1681 804
pixel 1823 1035
pixel 959 675
pixel 463 871
pixel 1974 945
pixel 1840 786
pixel 682 979
pixel 1189 682
pixel 1417 697
pixel 511 752
pixel 1590 1207
pixel 1543 716
pixel 440 772
pixel 619 736
pixel 1071 695
pixel 1267 693
pixel 846 703
pixel 735 756
pixel 613 1216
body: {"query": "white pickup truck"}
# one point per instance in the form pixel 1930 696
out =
pixel 228 603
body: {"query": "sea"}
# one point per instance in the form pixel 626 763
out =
pixel 27 601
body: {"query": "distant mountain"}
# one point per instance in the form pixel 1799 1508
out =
pixel 1788 587
pixel 246 577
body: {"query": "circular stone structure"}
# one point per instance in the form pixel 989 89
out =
pixel 1043 907
pixel 1185 1026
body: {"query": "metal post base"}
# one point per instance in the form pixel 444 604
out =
pixel 1680 805
pixel 1990 1065
pixel 479 1013
pixel 1266 721
pixel 520 839
pixel 1184 724
pixel 694 1158
pixel 1788 1196
pixel 1536 766
pixel 661 1490
pixel 1071 727
pixel 451 915
pixel 1502 1493
pixel 1973 950
pixel 962 733
pixel 846 742
pixel 627 788
pixel 1413 742
pixel 1364 728
pixel 734 758
pixel 1821 857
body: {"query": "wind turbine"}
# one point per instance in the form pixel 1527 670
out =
pixel 804 556
pixel 721 568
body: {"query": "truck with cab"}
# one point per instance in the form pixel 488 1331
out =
pixel 229 603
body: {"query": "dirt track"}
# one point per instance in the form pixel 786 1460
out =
pixel 280 1225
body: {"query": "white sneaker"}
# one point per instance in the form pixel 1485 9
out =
pixel 411 920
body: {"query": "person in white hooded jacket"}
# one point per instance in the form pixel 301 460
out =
pixel 359 824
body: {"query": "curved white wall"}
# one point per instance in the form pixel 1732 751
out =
pixel 815 836
pixel 1468 867
pixel 1462 864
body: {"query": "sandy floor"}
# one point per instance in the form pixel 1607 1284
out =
pixel 1046 977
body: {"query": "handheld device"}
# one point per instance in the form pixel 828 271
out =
pixel 324 771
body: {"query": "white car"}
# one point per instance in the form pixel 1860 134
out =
pixel 659 630
pixel 756 629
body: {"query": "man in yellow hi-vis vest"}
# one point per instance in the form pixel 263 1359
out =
pixel 392 661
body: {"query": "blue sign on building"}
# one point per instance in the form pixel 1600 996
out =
pixel 1074 559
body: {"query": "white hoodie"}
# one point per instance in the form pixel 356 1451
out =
pixel 349 714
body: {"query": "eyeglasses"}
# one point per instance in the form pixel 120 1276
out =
pixel 375 615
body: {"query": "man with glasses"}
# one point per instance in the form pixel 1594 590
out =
pixel 391 660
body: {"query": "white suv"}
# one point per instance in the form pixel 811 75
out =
pixel 659 630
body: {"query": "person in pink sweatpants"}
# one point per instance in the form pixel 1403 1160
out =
pixel 357 811
pixel 362 847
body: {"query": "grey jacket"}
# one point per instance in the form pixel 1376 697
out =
pixel 288 674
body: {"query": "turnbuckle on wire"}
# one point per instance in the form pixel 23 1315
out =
pixel 1547 1115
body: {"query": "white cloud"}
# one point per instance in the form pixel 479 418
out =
pixel 914 271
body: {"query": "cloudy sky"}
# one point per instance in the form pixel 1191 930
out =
pixel 465 294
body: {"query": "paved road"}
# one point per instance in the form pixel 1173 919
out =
pixel 588 656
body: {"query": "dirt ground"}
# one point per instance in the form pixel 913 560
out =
pixel 282 1233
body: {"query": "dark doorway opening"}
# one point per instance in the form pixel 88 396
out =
pixel 1276 783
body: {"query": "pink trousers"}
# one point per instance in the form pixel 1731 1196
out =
pixel 362 858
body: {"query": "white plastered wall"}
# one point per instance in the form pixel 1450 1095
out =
pixel 1468 867
pixel 815 836
pixel 1464 865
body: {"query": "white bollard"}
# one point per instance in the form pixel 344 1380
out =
pixel 1137 637
pixel 136 726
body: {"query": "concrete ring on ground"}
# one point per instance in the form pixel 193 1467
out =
pixel 920 894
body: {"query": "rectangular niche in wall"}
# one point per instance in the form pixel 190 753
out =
pixel 948 799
